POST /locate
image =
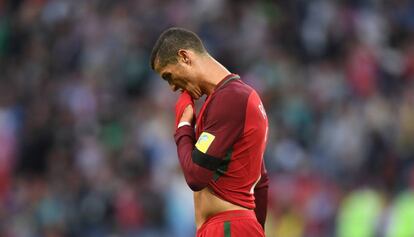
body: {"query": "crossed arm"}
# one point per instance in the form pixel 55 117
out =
pixel 198 177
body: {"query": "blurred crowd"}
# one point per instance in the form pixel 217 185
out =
pixel 86 146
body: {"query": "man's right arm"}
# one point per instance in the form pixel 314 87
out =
pixel 196 176
pixel 222 128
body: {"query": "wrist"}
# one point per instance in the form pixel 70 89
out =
pixel 183 123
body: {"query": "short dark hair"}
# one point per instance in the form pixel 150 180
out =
pixel 172 40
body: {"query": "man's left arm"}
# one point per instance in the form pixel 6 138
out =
pixel 261 196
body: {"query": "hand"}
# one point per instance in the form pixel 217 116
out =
pixel 182 112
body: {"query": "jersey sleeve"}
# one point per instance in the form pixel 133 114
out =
pixel 261 196
pixel 197 177
pixel 223 124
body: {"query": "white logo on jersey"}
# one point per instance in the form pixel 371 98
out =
pixel 254 185
pixel 261 108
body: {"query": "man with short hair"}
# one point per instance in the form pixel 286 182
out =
pixel 222 155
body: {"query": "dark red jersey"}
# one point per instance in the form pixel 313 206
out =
pixel 228 147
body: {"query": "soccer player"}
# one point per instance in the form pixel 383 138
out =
pixel 222 155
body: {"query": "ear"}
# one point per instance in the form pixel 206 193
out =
pixel 184 56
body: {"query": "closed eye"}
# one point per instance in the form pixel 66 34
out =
pixel 167 76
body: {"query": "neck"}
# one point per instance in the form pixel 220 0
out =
pixel 212 73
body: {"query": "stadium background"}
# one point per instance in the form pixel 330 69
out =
pixel 86 144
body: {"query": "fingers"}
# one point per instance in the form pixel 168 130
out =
pixel 184 108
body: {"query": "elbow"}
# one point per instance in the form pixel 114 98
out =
pixel 197 177
pixel 194 183
pixel 195 187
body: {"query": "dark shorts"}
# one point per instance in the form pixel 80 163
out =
pixel 239 223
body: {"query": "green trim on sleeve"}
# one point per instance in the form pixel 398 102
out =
pixel 222 169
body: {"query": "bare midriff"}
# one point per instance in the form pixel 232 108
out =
pixel 207 204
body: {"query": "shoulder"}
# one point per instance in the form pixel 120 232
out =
pixel 230 101
pixel 234 92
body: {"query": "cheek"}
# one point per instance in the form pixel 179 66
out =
pixel 184 77
pixel 180 83
pixel 189 79
pixel 186 74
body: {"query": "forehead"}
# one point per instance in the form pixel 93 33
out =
pixel 160 69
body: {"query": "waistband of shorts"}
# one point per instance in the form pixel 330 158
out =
pixel 228 216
